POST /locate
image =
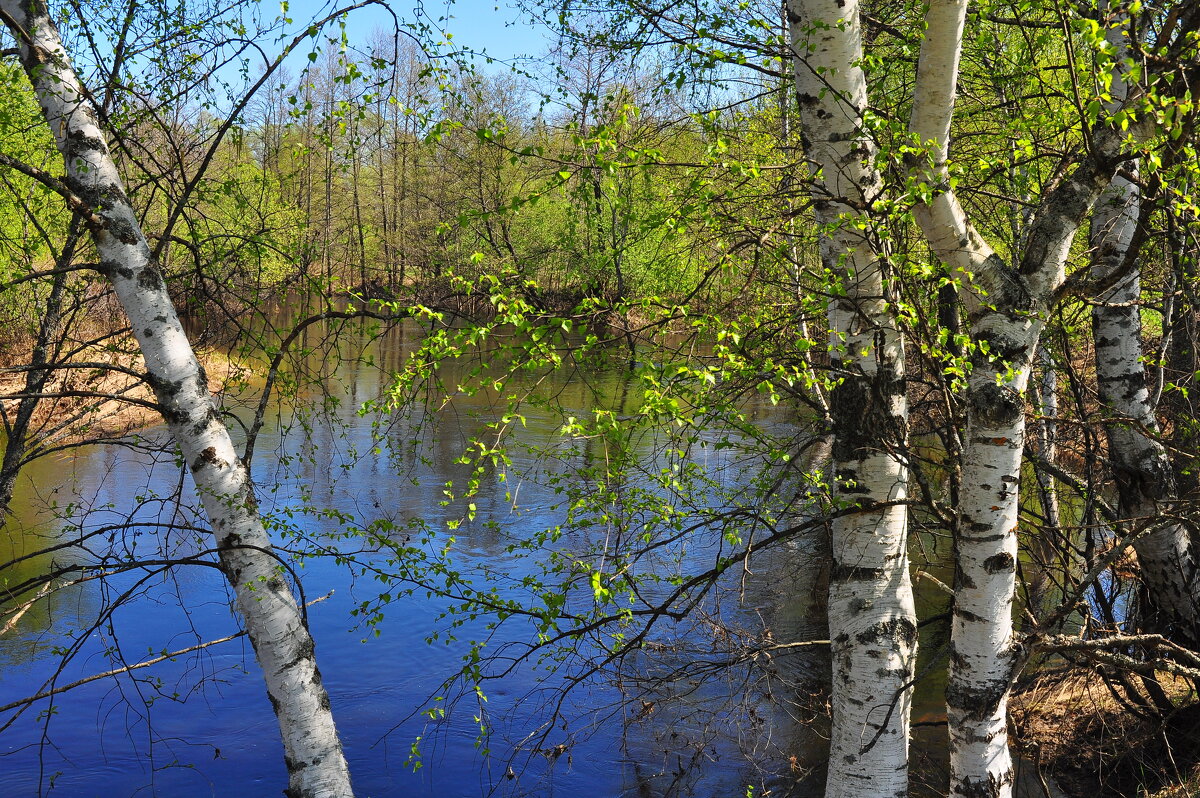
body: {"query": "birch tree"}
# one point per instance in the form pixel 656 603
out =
pixel 315 762
pixel 1143 474
pixel 872 620
pixel 1007 307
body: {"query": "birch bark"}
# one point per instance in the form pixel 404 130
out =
pixel 1047 547
pixel 1006 307
pixel 982 644
pixel 872 618
pixel 315 762
pixel 1141 469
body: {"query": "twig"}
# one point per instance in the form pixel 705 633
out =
pixel 136 666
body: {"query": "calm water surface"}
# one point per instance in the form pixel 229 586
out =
pixel 200 724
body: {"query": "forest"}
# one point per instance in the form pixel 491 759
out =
pixel 723 398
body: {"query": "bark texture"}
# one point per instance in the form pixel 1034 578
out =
pixel 1141 468
pixel 1007 305
pixel 1046 547
pixel 315 762
pixel 871 612
pixel 1005 333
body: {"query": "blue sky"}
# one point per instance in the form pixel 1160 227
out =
pixel 491 25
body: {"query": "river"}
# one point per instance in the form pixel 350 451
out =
pixel 674 719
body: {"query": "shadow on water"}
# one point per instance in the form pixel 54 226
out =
pixel 730 696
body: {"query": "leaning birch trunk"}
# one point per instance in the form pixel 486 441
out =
pixel 1006 309
pixel 1141 469
pixel 872 620
pixel 315 762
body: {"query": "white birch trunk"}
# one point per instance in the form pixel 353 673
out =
pixel 1047 547
pixel 981 631
pixel 315 762
pixel 1140 466
pixel 1142 471
pixel 872 618
pixel 1006 307
pixel 1047 436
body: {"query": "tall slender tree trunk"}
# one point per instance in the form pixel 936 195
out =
pixel 1047 547
pixel 983 653
pixel 306 183
pixel 315 763
pixel 1047 437
pixel 19 439
pixel 872 618
pixel 1007 305
pixel 1141 469
pixel 385 219
pixel 327 234
pixel 401 188
pixel 1181 355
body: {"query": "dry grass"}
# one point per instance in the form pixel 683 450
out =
pixel 101 402
pixel 1095 744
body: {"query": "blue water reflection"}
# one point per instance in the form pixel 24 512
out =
pixel 201 724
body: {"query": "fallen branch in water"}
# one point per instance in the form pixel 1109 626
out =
pixel 11 623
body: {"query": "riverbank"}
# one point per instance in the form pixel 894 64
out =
pixel 100 394
pixel 1096 735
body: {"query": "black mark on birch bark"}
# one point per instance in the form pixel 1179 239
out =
pixel 207 457
pixel 997 405
pixel 999 562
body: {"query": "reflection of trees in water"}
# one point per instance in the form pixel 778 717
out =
pixel 732 692
pixel 109 567
pixel 69 540
pixel 732 695
pixel 727 697
pixel 105 589
pixel 727 694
